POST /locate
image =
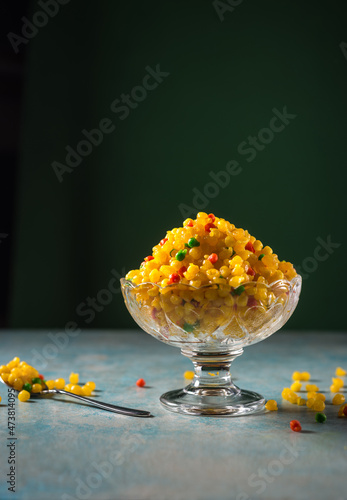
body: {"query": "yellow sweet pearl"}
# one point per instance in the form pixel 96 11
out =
pixel 12 364
pixel 296 386
pixel 312 388
pixel 235 281
pixel 91 385
pixel 195 283
pixel 77 389
pixel 236 261
pixel 224 271
pixel 16 372
pixel 36 388
pixel 86 390
pixel 24 396
pixel 176 300
pixel 154 276
pixel 338 382
pixel 318 405
pixel 5 376
pixel 310 402
pixel 340 372
pixel 153 292
pixel 11 378
pixel 50 384
pixel 242 300
pixel 166 270
pixel 229 301
pixel 305 376
pixel 18 384
pixel 59 383
pixel 293 398
pixel 4 369
pixel 296 376
pixel 271 405
pixel 74 377
pixel 301 402
pixel 189 375
pixel 257 245
pixel 338 399
pixel 68 387
pixel 284 393
pixel 334 388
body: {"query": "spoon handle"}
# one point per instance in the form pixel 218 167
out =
pixel 104 406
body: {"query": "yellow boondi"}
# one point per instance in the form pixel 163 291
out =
pixel 228 268
pixel 27 380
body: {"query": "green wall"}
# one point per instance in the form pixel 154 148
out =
pixel 225 80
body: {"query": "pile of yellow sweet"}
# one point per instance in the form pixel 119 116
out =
pixel 315 400
pixel 229 269
pixel 27 380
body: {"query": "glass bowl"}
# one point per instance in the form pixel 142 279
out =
pixel 211 326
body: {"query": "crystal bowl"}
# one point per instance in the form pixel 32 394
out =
pixel 212 326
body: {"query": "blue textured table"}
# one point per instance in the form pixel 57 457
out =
pixel 67 450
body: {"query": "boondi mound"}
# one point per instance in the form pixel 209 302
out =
pixel 204 274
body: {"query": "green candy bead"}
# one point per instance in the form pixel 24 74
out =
pixel 193 242
pixel 187 327
pixel 27 387
pixel 239 290
pixel 36 380
pixel 180 255
pixel 261 256
pixel 321 418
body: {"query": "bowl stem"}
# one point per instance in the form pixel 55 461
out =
pixel 212 391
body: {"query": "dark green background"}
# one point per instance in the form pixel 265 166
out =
pixel 225 79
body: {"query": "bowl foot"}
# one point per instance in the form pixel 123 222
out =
pixel 213 401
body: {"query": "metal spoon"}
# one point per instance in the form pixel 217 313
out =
pixel 92 402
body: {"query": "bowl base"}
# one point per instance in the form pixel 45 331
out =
pixel 213 401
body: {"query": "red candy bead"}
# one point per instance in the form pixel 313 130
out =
pixel 141 382
pixel 209 226
pixel 250 271
pixel 174 278
pixel 211 216
pixel 213 258
pixel 252 302
pixel 150 257
pixel 345 411
pixel 41 377
pixel 250 247
pixel 182 270
pixel 295 425
pixel 163 241
pixel 190 223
